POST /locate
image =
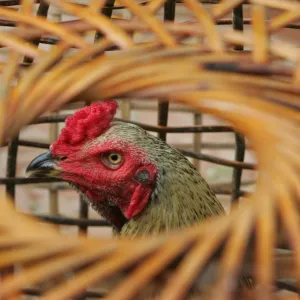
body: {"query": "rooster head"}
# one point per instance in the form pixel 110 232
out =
pixel 100 158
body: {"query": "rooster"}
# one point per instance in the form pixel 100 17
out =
pixel 140 184
pixel 137 182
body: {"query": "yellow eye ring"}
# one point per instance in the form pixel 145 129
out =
pixel 114 158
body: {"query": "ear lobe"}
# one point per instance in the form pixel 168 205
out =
pixel 144 177
pixel 138 201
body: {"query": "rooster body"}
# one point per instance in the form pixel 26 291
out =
pixel 141 185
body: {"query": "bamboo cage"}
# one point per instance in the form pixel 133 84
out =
pixel 232 60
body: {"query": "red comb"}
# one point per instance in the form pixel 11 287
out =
pixel 86 123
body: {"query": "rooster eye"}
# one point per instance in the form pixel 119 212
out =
pixel 112 159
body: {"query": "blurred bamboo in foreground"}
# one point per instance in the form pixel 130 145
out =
pixel 257 92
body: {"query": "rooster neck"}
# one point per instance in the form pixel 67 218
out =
pixel 181 198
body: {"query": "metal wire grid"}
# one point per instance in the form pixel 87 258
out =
pixel 10 181
pixel 83 222
pixel 163 110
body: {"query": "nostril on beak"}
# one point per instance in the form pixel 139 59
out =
pixel 41 163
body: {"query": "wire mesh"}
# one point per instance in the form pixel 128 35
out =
pixel 83 222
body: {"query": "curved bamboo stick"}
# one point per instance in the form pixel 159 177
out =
pixel 262 105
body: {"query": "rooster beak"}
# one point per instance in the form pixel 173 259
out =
pixel 43 166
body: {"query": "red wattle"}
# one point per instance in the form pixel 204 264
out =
pixel 138 201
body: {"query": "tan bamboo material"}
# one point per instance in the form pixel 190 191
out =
pixel 257 92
